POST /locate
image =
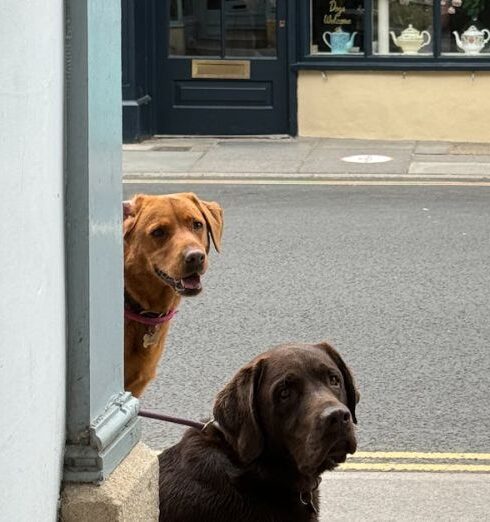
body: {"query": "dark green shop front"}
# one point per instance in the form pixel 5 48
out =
pixel 228 67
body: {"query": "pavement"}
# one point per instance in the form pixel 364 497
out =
pixel 404 497
pixel 287 158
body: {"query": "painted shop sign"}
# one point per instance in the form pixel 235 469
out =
pixel 335 15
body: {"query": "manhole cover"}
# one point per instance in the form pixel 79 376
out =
pixel 367 158
pixel 171 148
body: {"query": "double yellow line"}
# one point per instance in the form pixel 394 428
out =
pixel 418 461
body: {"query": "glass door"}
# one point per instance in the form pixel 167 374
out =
pixel 223 69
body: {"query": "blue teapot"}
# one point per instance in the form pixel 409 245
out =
pixel 340 41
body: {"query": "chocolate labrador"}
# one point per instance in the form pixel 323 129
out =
pixel 285 418
pixel 166 245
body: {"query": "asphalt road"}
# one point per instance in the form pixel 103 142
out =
pixel 397 278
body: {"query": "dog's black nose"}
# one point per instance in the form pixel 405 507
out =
pixel 194 259
pixel 336 417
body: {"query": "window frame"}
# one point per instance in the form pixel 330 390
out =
pixel 374 62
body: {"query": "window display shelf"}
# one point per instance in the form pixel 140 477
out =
pixel 386 63
pixel 483 55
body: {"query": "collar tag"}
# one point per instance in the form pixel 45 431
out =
pixel 149 339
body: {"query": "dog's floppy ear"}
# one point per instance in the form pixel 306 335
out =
pixel 213 214
pixel 131 210
pixel 353 394
pixel 236 412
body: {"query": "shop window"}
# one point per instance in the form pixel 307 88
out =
pixel 465 28
pixel 403 27
pixel 337 26
pixel 409 30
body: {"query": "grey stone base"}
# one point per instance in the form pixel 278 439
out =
pixel 130 494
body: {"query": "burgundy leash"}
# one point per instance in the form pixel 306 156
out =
pixel 175 420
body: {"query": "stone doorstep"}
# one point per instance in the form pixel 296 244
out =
pixel 130 494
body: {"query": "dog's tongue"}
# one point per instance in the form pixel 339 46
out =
pixel 192 282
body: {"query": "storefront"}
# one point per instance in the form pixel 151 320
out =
pixel 385 69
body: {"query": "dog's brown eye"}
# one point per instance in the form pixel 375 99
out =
pixel 285 393
pixel 197 225
pixel 334 380
pixel 158 232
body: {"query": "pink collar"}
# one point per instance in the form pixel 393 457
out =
pixel 149 321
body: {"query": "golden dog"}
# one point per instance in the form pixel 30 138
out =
pixel 166 246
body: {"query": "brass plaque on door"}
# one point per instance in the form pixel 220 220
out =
pixel 221 69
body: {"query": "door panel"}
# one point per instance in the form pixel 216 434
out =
pixel 223 95
pixel 224 30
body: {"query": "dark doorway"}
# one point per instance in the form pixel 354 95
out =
pixel 223 67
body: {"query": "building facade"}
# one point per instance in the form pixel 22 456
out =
pixel 32 318
pixel 381 69
pixel 65 416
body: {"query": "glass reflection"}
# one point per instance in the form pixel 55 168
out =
pixel 403 27
pixel 250 27
pixel 195 28
pixel 465 27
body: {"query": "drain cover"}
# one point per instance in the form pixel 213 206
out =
pixel 367 158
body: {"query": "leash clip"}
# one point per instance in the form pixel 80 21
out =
pixel 207 424
pixel 308 503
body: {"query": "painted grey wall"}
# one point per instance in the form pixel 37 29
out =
pixel 32 307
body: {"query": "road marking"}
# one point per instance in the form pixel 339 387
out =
pixel 414 466
pixel 418 461
pixel 420 455
pixel 331 182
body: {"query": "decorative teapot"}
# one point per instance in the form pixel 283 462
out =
pixel 340 41
pixel 472 41
pixel 411 40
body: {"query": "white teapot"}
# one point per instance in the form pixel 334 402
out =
pixel 411 40
pixel 472 41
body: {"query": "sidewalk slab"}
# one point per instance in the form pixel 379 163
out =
pixel 432 147
pixel 373 496
pixel 253 164
pixel 254 157
pixel 367 146
pixel 453 158
pixel 450 168
pixel 470 148
pixel 157 161
pixel 287 158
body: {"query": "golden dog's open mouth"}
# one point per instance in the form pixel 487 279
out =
pixel 188 286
